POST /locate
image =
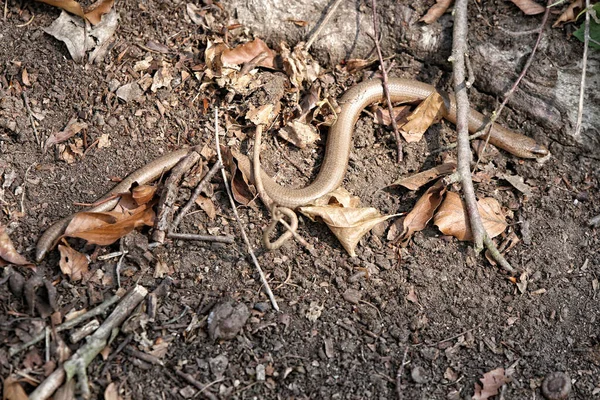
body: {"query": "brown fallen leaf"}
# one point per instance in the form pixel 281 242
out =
pixel 451 218
pixel 208 206
pixel 348 224
pixel 262 115
pixel 143 194
pixel 112 392
pixel 529 7
pixel 570 14
pixel 299 134
pixel 73 128
pixel 8 253
pixel 13 389
pixel 72 263
pixel 427 113
pixel 416 181
pixel 357 64
pixel 241 189
pixel 418 218
pixel 104 228
pixel 299 65
pixel 382 115
pixel 92 13
pixel 492 381
pixel 436 11
pixel 248 52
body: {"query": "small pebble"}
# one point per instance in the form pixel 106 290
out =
pixel 218 365
pixel 225 321
pixel 352 296
pixel 419 375
pixel 260 373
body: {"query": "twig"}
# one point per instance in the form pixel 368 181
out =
pixel 101 309
pixel 319 27
pixel 115 353
pixel 77 364
pixel 202 388
pixel 586 43
pixel 386 91
pixel 202 238
pixel 167 199
pixel 237 217
pixel 149 358
pixel 400 373
pixel 31 119
pixel 184 210
pixel 459 49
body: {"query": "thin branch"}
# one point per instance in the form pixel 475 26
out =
pixel 201 238
pixel 317 30
pixel 386 90
pixel 586 44
pixel 263 278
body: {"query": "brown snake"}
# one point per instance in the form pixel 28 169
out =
pixel 337 151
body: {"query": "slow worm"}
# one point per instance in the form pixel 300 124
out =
pixel 337 151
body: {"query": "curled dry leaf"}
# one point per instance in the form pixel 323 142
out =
pixel 112 392
pixel 8 253
pixel 436 11
pixel 299 65
pixel 143 194
pixel 418 218
pixel 451 218
pixel 414 182
pixel 104 228
pixel 492 381
pixel 529 7
pixel 248 52
pixel 427 113
pixel 348 224
pixel 299 134
pixel 72 263
pixel 241 189
pixel 73 128
pixel 570 14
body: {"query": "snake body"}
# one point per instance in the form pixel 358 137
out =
pixel 337 151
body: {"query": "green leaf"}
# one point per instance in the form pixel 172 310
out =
pixel 594 29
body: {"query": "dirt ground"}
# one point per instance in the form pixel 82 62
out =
pixel 444 308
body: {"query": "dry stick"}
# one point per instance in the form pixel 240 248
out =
pixel 459 47
pixel 184 210
pixel 167 198
pixel 385 83
pixel 586 43
pixel 263 278
pixel 202 388
pixel 31 120
pixel 202 238
pixel 400 373
pixel 101 309
pixel 83 357
pixel 317 30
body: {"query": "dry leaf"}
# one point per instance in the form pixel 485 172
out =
pixel 95 12
pixel 25 77
pixel 356 64
pixel 418 218
pixel 299 134
pixel 104 228
pixel 13 389
pixel 429 111
pixel 8 253
pixel 208 206
pixel 492 381
pixel 348 224
pixel 112 392
pixel 436 11
pixel 451 218
pixel 529 7
pixel 162 77
pixel 104 141
pixel 262 115
pixel 196 14
pixel 416 181
pixel 143 194
pixel 570 14
pixel 72 263
pixel 517 182
pixel 73 128
pixel 161 269
pixel 382 115
pixel 242 192
pixel 299 65
pixel 248 52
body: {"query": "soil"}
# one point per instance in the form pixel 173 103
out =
pixel 437 305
